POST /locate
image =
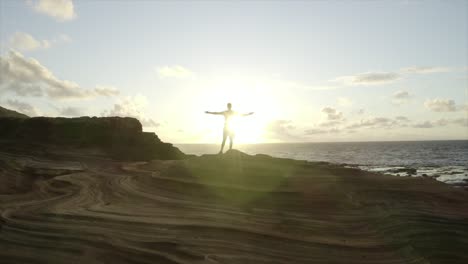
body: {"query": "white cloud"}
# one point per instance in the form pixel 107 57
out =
pixel 441 105
pixel 103 90
pixel 281 130
pixel 332 114
pixel 460 121
pixel 380 122
pixel 402 119
pixel 424 69
pixel 333 117
pixel 425 124
pixel 61 10
pixel 400 97
pixel 371 122
pixel 25 42
pixel 22 107
pixel 318 131
pixel 331 123
pixel 369 78
pixel 176 71
pixel 380 78
pixel 387 123
pixel 442 122
pixel 132 106
pixel 27 77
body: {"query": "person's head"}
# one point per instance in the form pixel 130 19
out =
pixel 229 106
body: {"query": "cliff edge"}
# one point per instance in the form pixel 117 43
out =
pixel 119 137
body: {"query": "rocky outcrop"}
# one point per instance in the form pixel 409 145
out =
pixel 120 137
pixel 230 208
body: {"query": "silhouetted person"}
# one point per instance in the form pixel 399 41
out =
pixel 228 131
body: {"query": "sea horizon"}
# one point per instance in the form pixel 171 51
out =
pixel 306 142
pixel 444 160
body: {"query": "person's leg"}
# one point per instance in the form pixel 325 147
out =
pixel 224 141
pixel 231 140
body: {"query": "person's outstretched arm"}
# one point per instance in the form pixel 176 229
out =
pixel 213 113
pixel 251 113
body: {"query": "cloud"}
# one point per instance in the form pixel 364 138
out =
pixel 369 78
pixel 380 78
pixel 333 117
pixel 27 77
pixel 380 122
pixel 442 122
pixel 25 42
pixel 132 106
pixel 460 121
pixel 281 130
pixel 174 72
pixel 106 90
pixel 402 119
pixel 424 69
pixel 332 114
pixel 426 124
pixel 22 89
pixel 371 122
pixel 318 131
pixel 340 127
pixel 441 105
pixel 22 107
pixel 400 97
pixel 333 123
pixel 60 10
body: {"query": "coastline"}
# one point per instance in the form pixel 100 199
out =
pixel 413 162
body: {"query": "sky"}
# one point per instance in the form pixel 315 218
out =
pixel 311 71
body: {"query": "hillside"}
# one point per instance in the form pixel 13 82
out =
pixel 10 113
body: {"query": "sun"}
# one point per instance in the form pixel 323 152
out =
pixel 245 96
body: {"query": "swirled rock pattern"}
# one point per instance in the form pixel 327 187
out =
pixel 230 208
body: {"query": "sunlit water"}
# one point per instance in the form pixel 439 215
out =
pixel 446 161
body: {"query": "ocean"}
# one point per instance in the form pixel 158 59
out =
pixel 446 161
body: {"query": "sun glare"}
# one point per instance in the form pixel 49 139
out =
pixel 246 96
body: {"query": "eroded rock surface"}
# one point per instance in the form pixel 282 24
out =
pixel 231 208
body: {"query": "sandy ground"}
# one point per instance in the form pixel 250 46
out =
pixel 233 208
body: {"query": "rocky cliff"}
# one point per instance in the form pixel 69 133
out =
pixel 119 137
